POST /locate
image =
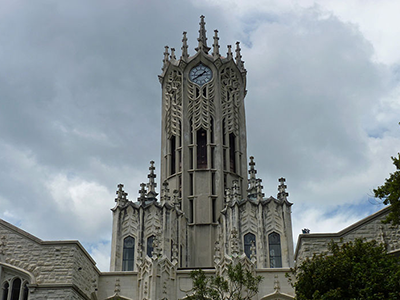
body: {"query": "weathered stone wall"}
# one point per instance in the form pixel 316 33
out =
pixel 64 262
pixel 370 228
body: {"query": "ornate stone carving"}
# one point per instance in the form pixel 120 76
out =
pixel 173 103
pixel 230 88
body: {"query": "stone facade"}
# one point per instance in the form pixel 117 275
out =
pixel 370 228
pixel 211 211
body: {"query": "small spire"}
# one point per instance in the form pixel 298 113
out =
pixel 238 57
pixel 216 45
pixel 229 54
pixel 228 196
pixel 185 54
pixel 202 36
pixel 142 193
pixel 165 192
pixel 255 188
pixel 282 194
pixel 166 58
pixel 236 197
pixel 234 242
pixel 173 57
pixel 121 195
pixel 151 186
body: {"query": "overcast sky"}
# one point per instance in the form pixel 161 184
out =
pixel 80 104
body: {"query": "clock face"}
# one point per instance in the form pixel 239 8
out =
pixel 200 74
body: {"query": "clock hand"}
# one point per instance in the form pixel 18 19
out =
pixel 200 75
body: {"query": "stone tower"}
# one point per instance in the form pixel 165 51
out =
pixel 203 147
pixel 211 210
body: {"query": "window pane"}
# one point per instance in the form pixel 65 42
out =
pixel 128 254
pixel 5 291
pixel 275 256
pixel 249 238
pixel 15 289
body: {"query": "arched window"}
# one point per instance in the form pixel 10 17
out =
pixel 128 254
pixel 150 246
pixel 275 255
pixel 16 288
pixel 232 153
pixel 6 285
pixel 249 239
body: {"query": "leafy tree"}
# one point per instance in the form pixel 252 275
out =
pixel 240 285
pixel 355 270
pixel 390 193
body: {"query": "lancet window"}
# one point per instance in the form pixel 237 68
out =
pixel 128 254
pixel 249 240
pixel 18 290
pixel 275 252
pixel 201 149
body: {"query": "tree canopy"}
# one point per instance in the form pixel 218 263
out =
pixel 355 270
pixel 240 284
pixel 389 192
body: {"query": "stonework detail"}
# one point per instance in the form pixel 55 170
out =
pixel 230 89
pixel 173 103
pixel 201 105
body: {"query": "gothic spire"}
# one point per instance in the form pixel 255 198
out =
pixel 185 54
pixel 282 194
pixel 142 193
pixel 121 195
pixel 229 54
pixel 151 186
pixel 166 58
pixel 165 193
pixel 202 36
pixel 173 57
pixel 238 57
pixel 255 187
pixel 216 45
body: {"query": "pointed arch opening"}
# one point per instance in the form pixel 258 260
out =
pixel 16 289
pixel 128 254
pixel 150 246
pixel 249 240
pixel 275 251
pixel 6 287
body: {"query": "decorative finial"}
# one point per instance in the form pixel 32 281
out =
pixel 173 57
pixel 255 188
pixel 165 192
pixel 282 194
pixel 229 54
pixel 228 196
pixel 234 242
pixel 151 186
pixel 202 37
pixel 185 54
pixel 238 57
pixel 166 58
pixel 142 193
pixel 305 231
pixel 216 45
pixel 236 197
pixel 277 286
pixel 121 195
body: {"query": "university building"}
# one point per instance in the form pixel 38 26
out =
pixel 210 210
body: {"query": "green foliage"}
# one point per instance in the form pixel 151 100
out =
pixel 240 285
pixel 355 270
pixel 390 193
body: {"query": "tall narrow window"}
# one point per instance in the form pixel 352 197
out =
pixel 150 247
pixel 128 254
pixel 249 239
pixel 232 153
pixel 191 158
pixel 191 211
pixel 275 255
pixel 16 287
pixel 5 291
pixel 201 149
pixel 191 189
pixel 25 291
pixel 212 130
pixel 214 210
pixel 173 154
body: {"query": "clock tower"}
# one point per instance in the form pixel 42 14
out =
pixel 203 148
